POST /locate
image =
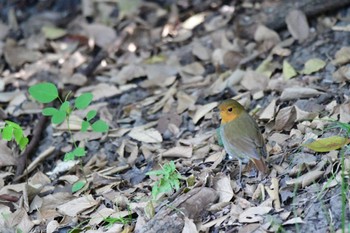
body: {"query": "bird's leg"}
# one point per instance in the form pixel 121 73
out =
pixel 240 174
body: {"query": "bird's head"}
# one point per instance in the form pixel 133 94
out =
pixel 229 110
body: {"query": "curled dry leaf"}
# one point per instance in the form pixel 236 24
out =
pixel 253 214
pixel 298 93
pixel 146 135
pixel 202 110
pixel 342 74
pixel 269 112
pixel 76 206
pixel 224 189
pixel 306 179
pixel 342 56
pixel 189 226
pixel 101 34
pixel 285 118
pixel 193 21
pixel 254 81
pixel 297 25
pixel 178 152
pixel 273 192
pixel 293 221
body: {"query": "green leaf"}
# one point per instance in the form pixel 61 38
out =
pixel 23 143
pixel 44 92
pixel 100 126
pixel 78 185
pixel 68 156
pixel 18 133
pixel 288 70
pixel 328 144
pixel 313 65
pixel 7 133
pixel 79 152
pixel 64 106
pixel 13 124
pixel 49 111
pixel 58 117
pixel 91 114
pixel 83 100
pixel 84 126
pixel 53 33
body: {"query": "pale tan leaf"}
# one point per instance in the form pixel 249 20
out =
pixel 306 179
pixel 299 93
pixel 78 205
pixel 223 187
pixel 179 151
pixel 297 25
pixel 202 110
pixel 253 214
pixel 150 135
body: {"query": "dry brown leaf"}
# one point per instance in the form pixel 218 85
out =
pixel 200 51
pixel 269 112
pixel 178 151
pixel 103 35
pixel 184 102
pixel 224 189
pixel 306 179
pixel 253 214
pixel 285 118
pixel 150 135
pixel 297 25
pixel 128 73
pixel 342 74
pixel 194 21
pixel 202 110
pixel 342 56
pixel 293 221
pixel 344 112
pixel 254 81
pixel 189 226
pixel 298 93
pixel 266 35
pixel 273 192
pixel 194 68
pixel 78 205
pixel 6 158
pixel 17 56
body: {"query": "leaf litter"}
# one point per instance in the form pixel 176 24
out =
pixel 157 91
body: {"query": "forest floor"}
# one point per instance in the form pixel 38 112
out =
pixel 157 70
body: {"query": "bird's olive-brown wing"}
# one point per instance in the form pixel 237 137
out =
pixel 243 136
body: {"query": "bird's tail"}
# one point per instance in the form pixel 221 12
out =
pixel 260 165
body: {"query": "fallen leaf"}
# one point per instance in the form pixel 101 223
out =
pixel 150 135
pixel 178 152
pixel 189 226
pixel 202 110
pixel 78 205
pixel 306 179
pixel 253 214
pixel 328 144
pixel 193 21
pixel 254 81
pixel 298 93
pixel 288 70
pixel 293 221
pixel 297 25
pixel 53 33
pixel 285 118
pixel 313 65
pixel 224 189
pixel 101 34
pixel 342 56
pixel 269 112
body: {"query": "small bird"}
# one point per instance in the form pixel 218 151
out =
pixel 241 136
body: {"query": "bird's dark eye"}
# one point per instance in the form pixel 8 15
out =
pixel 229 109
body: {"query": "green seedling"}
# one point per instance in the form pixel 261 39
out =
pixel 46 93
pixel 169 180
pixel 14 131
